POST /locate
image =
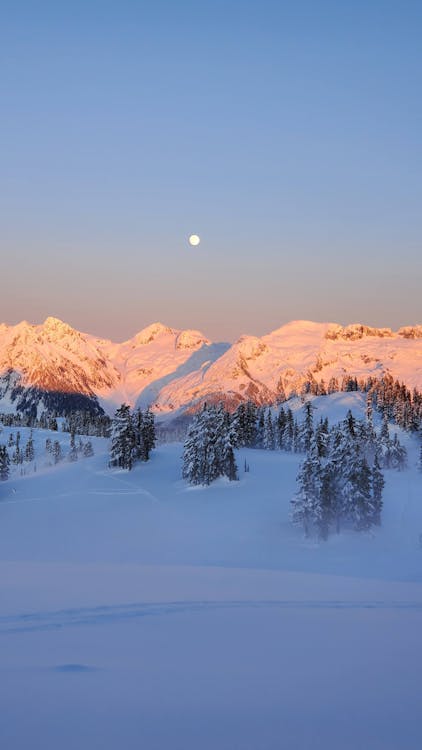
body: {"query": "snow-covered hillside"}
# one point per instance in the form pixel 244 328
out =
pixel 136 611
pixel 172 369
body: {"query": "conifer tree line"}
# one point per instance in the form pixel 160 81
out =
pixel 214 434
pixel 78 422
pixel 259 427
pixel 15 453
pixel 388 396
pixel 86 423
pixel 340 482
pixel 208 451
pixel 132 436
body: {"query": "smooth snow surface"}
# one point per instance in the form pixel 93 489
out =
pixel 136 612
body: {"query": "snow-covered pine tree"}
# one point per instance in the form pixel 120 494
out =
pixel 250 425
pixel 239 423
pixel 73 452
pixel 338 468
pixel 378 483
pixel 321 437
pixel 88 450
pixel 289 431
pixel 122 439
pixel 228 466
pixel 327 497
pixel 29 448
pixel 307 428
pixel 4 463
pixel 209 447
pixel 306 502
pixel 268 443
pixel 350 423
pixel 260 428
pixel 280 426
pixel 199 458
pixel 362 509
pixel 398 454
pixel 140 450
pixel 17 456
pixel 149 436
pixel 193 458
pixel 57 452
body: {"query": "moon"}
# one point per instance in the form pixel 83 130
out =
pixel 194 240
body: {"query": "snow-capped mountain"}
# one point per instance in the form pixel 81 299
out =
pixel 172 370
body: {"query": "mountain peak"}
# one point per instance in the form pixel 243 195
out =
pixel 52 323
pixel 151 332
pixel 191 339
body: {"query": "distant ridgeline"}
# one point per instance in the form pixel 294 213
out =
pixel 35 407
pixel 56 369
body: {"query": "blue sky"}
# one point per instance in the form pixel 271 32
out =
pixel 286 134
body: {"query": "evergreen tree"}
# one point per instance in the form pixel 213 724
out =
pixel 140 449
pixel 149 435
pixel 239 424
pixel 209 447
pixel 88 450
pixel 350 424
pixel 29 449
pixel 361 510
pixel 250 425
pixel 73 453
pixel 398 454
pixel 326 501
pixel 17 456
pixel 289 431
pixel 4 463
pixel 306 502
pixel 123 439
pixel 193 453
pixel 57 452
pixel 307 428
pixel 321 437
pixel 279 429
pixel 227 439
pixel 377 488
pixel 260 428
pixel 269 443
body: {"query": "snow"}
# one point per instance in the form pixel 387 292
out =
pixel 137 612
pixel 173 369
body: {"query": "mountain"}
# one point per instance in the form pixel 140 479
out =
pixel 54 366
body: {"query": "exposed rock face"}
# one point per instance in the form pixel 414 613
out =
pixel 178 370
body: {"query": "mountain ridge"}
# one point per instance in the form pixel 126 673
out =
pixel 172 369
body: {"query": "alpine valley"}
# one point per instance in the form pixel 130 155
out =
pixel 55 367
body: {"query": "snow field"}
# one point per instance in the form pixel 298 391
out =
pixel 136 612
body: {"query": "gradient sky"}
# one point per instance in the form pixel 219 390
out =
pixel 288 135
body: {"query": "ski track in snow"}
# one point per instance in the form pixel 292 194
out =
pixel 105 614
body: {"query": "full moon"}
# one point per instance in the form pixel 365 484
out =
pixel 194 240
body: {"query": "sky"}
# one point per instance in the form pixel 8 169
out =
pixel 288 135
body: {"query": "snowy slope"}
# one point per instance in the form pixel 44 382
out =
pixel 260 368
pixel 172 369
pixel 138 612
